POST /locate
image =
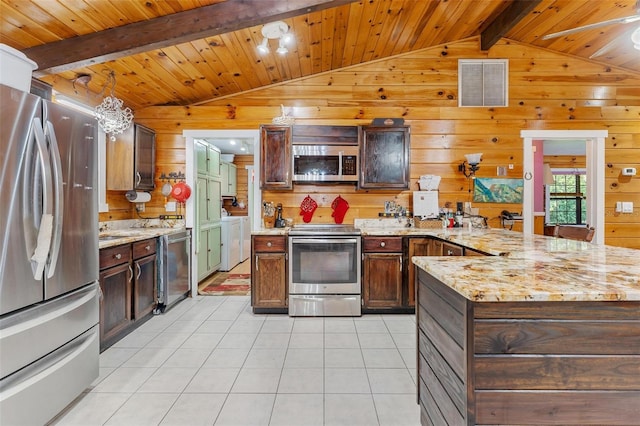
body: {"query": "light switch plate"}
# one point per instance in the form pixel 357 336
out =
pixel 627 207
pixel 170 206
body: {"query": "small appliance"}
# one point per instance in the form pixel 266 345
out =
pixel 325 163
pixel 425 201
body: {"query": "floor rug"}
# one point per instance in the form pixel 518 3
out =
pixel 225 284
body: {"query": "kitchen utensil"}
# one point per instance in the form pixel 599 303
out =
pixel 166 189
pixel 181 192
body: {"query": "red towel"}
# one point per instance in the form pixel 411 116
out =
pixel 340 207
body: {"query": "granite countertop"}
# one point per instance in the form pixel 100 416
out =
pixel 536 268
pixel 271 231
pixel 115 233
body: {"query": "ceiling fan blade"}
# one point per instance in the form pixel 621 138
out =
pixel 604 49
pixel 627 20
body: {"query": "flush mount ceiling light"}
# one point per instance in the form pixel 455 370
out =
pixel 275 30
pixel 112 118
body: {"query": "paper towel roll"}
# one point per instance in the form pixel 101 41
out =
pixel 138 197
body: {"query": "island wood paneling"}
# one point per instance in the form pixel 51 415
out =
pixel 552 363
pixel 547 91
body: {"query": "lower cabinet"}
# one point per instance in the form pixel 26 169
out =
pixel 382 272
pixel 145 289
pixel 414 247
pixel 129 290
pixel 449 249
pixel 269 274
pixel 209 250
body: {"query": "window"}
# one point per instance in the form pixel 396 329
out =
pixel 566 199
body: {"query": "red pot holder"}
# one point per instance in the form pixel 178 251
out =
pixel 340 207
pixel 307 207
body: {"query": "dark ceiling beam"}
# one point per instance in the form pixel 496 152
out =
pixel 164 31
pixel 508 19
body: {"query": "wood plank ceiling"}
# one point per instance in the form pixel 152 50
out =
pixel 184 70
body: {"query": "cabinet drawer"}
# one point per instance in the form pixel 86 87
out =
pixel 144 248
pixel 113 256
pixel 382 244
pixel 270 243
pixel 451 250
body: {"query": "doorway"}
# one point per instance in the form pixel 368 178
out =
pixel 594 140
pixel 254 196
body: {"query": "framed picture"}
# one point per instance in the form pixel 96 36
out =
pixel 497 190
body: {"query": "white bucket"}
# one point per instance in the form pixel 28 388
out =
pixel 15 68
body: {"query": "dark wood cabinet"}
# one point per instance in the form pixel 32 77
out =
pixel 145 290
pixel 129 290
pixel 414 247
pixel 131 160
pixel 144 158
pixel 382 272
pixel 275 157
pixel 384 157
pixel 435 248
pixel 449 249
pixel 115 283
pixel 269 274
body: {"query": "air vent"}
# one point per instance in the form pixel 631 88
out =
pixel 483 82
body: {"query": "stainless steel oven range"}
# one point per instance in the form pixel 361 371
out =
pixel 324 270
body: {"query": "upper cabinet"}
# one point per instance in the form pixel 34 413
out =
pixel 275 157
pixel 207 159
pixel 144 159
pixel 131 160
pixel 228 179
pixel 384 157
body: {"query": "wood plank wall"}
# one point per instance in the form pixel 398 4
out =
pixel 546 91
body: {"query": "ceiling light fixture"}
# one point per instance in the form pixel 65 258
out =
pixel 275 30
pixel 112 117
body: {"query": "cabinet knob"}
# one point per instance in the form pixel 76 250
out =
pixel 449 252
pixel 147 248
pixel 117 255
pixel 269 244
pixel 382 244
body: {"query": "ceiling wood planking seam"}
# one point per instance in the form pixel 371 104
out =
pixel 167 30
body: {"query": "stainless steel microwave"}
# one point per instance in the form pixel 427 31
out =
pixel 325 163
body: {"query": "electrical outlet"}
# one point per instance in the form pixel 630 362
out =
pixel 501 171
pixel 140 207
pixel 510 166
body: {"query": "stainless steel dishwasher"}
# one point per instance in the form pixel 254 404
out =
pixel 174 269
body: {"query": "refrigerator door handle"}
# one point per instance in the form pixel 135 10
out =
pixel 59 199
pixel 43 240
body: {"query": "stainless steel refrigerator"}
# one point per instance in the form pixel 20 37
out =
pixel 49 311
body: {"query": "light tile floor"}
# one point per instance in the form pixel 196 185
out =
pixel 211 361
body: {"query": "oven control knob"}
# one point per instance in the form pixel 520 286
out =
pixel 382 244
pixel 269 244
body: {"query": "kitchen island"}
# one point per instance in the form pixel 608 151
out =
pixel 546 333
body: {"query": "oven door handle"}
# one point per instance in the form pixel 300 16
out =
pixel 324 240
